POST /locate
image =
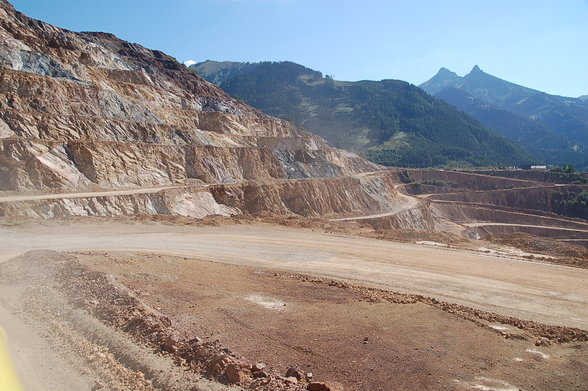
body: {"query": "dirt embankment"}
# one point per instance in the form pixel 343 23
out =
pixel 417 218
pixel 535 198
pixel 57 346
pixel 312 198
pixel 469 212
pixel 335 197
pixel 536 176
pixel 484 229
pixel 471 181
pixel 573 254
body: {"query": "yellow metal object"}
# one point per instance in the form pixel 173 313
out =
pixel 8 379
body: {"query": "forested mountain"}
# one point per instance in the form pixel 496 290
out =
pixel 390 121
pixel 219 71
pixel 538 138
pixel 554 127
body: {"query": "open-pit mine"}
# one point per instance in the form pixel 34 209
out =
pixel 157 234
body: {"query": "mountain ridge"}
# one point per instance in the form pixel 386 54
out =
pixel 516 127
pixel 392 122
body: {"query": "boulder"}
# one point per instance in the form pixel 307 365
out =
pixel 294 372
pixel 236 374
pixel 325 386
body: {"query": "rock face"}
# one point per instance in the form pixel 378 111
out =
pixel 328 197
pixel 88 112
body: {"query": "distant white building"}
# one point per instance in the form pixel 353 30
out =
pixel 538 168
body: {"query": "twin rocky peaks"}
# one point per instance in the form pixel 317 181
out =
pixel 446 78
pixel 553 129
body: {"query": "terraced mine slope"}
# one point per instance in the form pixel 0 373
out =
pixel 158 235
pixel 482 204
pixel 95 126
pixel 88 112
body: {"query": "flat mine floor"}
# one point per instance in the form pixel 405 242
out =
pixel 274 295
pixel 506 285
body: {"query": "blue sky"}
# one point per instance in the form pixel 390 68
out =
pixel 542 44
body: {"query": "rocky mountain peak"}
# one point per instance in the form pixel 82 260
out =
pixel 443 79
pixel 444 72
pixel 5 5
pixel 532 117
pixel 476 69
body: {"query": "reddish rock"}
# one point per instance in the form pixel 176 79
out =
pixel 542 341
pixel 259 366
pixel 259 374
pixel 235 374
pixel 325 386
pixel 294 372
pixel 169 344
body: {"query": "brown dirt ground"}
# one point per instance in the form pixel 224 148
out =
pixel 56 346
pixel 340 334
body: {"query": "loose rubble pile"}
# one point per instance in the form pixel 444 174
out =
pixel 118 306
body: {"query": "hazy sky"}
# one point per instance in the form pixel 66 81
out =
pixel 542 44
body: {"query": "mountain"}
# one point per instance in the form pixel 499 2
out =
pixel 216 72
pixel 538 138
pixel 390 121
pixel 443 79
pixel 129 130
pixel 555 127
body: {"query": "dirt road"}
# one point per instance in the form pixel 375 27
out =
pixel 542 292
pixel 18 197
pixel 403 203
pixel 105 193
pixel 484 224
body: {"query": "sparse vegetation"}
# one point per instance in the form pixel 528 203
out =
pixel 420 186
pixel 406 177
pixel 440 183
pixel 571 204
pixel 566 174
